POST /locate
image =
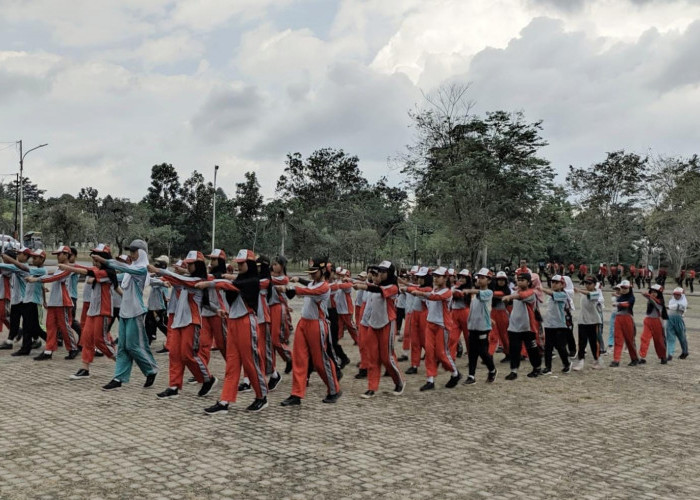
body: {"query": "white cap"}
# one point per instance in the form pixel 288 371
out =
pixel 179 263
pixel 625 283
pixel 423 271
pixel 559 278
pixel 440 271
pixel 363 274
pixel 656 287
pixel 678 290
pixel 451 271
pixel 217 253
pixel 501 274
pixel 464 272
pixel 483 272
pixel 385 264
pixel 414 269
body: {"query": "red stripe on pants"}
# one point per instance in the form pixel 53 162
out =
pixel 653 328
pixel 345 323
pixel 183 350
pixel 436 350
pixel 241 353
pixel 624 333
pixel 310 340
pixel 417 335
pixel 379 345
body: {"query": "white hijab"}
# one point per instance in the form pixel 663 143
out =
pixel 569 289
pixel 141 262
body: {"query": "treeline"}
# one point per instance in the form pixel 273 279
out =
pixel 475 189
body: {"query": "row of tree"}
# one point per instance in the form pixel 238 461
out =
pixel 476 189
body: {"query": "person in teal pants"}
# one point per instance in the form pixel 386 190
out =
pixel 675 326
pixel 133 342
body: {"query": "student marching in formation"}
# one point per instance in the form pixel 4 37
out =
pixel 157 318
pixel 675 326
pixel 589 324
pixel 523 327
pixel 555 326
pixel 653 326
pixel 625 331
pixel 479 326
pixel 280 318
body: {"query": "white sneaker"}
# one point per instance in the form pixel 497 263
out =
pixel 578 365
pixel 596 365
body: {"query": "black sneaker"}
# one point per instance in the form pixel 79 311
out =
pixel 191 380
pixel 492 376
pixel 536 372
pixel 43 356
pixel 361 374
pixel 401 358
pixel 344 362
pixel 332 398
pixel 546 371
pixel 460 350
pixel 257 405
pixel 614 364
pixel 80 374
pixel 243 387
pixel 470 380
pixel 162 351
pixel 98 354
pixel 20 353
pixel 506 359
pixel 669 358
pixel 72 354
pixel 398 389
pixel 207 386
pixel 636 362
pixel 288 367
pixel 683 356
pixel 664 361
pixel 368 395
pixel 168 394
pixel 217 409
pixel 291 401
pixel 112 386
pixel 272 384
pixel 412 370
pixel 512 376
pixel 5 346
pixel 428 386
pixel 454 380
pixel 386 373
pixel 149 380
pixel 566 369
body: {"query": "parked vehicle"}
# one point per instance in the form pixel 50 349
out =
pixel 33 240
pixel 7 242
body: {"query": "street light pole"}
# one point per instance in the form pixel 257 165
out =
pixel 213 222
pixel 21 188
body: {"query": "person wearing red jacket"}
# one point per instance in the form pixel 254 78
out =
pixel 419 313
pixel 59 310
pixel 437 331
pixel 312 335
pixel 381 330
pixel 344 307
pixel 653 326
pixel 625 330
pixel 280 317
pixel 185 337
pixel 242 293
pixel 370 276
pixel 98 313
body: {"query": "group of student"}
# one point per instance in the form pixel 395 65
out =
pixel 245 314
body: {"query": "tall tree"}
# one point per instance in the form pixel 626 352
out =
pixel 164 195
pixel 249 204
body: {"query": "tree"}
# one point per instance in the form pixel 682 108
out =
pixel 607 197
pixel 249 204
pixel 164 195
pixel 31 192
pixel 474 175
pixel 196 198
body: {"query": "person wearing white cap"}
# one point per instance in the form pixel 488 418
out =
pixel 653 326
pixel 133 342
pixel 342 294
pixel 419 314
pixel 555 325
pixel 98 312
pixel 589 322
pixel 59 310
pixel 31 296
pixel 379 339
pixel 437 331
pixel 625 331
pixel 500 316
pixel 675 326
pixel 280 318
pixel 479 324
pixel 459 309
pixel 522 327
pixel 157 302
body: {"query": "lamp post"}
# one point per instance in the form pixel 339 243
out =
pixel 21 188
pixel 213 222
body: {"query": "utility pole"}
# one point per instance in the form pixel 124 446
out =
pixel 415 244
pixel 21 188
pixel 16 204
pixel 213 222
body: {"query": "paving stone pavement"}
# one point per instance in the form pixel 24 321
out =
pixel 613 433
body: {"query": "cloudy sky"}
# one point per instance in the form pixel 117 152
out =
pixel 115 86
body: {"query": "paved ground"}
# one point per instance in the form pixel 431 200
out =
pixel 615 433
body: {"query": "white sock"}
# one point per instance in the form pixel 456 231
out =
pixel 48 352
pixel 276 374
pixel 246 380
pixel 455 373
pixel 173 388
pixel 225 403
pixel 431 379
